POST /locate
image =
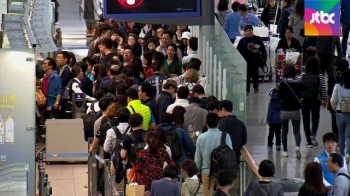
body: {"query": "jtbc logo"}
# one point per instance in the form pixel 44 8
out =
pixel 322 18
pixel 130 3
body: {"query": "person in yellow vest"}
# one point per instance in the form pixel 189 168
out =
pixel 135 106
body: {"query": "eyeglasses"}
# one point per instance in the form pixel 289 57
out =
pixel 330 142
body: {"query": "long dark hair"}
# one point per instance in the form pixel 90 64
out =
pixel 314 178
pixel 299 8
pixel 346 79
pixel 176 58
pixel 222 5
pixel 312 65
pixel 161 136
pixel 152 141
pixel 179 115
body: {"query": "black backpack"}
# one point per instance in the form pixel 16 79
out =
pixel 172 140
pixel 137 145
pixel 115 155
pixel 312 82
pixel 89 122
pixel 222 157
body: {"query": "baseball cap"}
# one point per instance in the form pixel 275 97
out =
pixel 186 35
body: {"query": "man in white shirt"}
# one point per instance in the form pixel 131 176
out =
pixel 192 50
pixel 330 141
pixel 181 99
pixel 123 128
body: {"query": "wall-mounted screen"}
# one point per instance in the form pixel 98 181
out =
pixel 151 8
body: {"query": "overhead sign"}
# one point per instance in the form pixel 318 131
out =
pixel 322 18
pixel 131 9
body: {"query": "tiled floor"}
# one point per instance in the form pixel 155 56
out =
pixel 290 167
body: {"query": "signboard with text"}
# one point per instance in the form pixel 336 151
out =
pixel 322 18
pixel 17 114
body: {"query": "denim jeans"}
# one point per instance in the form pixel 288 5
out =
pixel 344 43
pixel 313 106
pixel 343 123
pixel 296 132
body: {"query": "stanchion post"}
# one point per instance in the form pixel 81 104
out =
pixel 241 168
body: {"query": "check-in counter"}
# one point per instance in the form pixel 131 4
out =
pixel 65 136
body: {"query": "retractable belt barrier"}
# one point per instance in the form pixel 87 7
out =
pixel 94 160
pixel 44 184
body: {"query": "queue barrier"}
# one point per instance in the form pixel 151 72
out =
pixel 94 160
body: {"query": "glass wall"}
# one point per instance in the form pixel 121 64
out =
pixel 17 122
pixel 223 65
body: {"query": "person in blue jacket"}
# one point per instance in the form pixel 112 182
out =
pixel 52 88
pixel 273 119
pixel 187 150
pixel 232 23
pixel 345 21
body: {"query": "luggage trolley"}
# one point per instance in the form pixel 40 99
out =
pixel 280 64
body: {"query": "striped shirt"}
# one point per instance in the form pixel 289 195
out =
pixel 322 95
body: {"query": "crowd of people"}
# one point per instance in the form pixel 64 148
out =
pixel 152 117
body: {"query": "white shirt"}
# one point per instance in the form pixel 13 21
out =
pixel 96 107
pixel 338 93
pixel 324 180
pixel 76 89
pixel 191 55
pixel 111 138
pixel 178 102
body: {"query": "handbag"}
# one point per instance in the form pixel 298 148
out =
pixel 292 92
pixel 344 103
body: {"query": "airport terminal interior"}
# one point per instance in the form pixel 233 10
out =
pixel 71 179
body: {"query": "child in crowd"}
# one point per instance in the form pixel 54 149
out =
pixel 273 119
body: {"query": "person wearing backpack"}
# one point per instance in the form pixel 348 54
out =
pixel 341 66
pixel 206 143
pixel 340 102
pixel 312 98
pixel 112 145
pixel 341 183
pixel 264 186
pixel 134 141
pixel 176 138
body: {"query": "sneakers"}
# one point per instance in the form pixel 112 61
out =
pixel 314 141
pixel 309 145
pixel 278 148
pixel 297 151
pixel 269 147
pixel 256 90
pixel 285 154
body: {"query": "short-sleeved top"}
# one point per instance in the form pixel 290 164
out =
pixel 127 140
pixel 251 19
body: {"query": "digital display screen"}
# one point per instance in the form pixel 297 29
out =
pixel 151 8
pixel 79 96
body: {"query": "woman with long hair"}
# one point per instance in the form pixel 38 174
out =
pixel 340 102
pixel 313 185
pixel 179 116
pixel 149 164
pixel 296 21
pixel 290 95
pixel 269 13
pixel 312 97
pixel 222 11
pixel 172 62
